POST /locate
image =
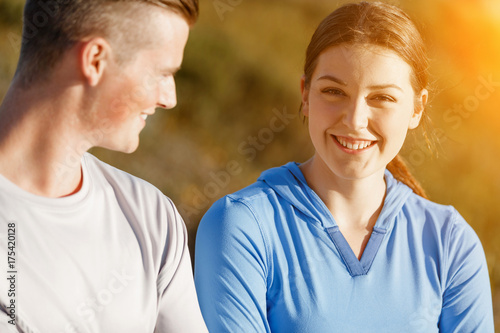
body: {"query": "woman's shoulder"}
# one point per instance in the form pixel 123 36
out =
pixel 433 215
pixel 237 219
pixel 244 203
pixel 254 205
pixel 272 183
pixel 430 208
pixel 257 191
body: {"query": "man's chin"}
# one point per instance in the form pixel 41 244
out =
pixel 127 149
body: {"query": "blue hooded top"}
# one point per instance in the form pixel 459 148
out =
pixel 271 258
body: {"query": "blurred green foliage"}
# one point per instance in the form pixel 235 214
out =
pixel 242 67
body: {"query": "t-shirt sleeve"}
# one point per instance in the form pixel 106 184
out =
pixel 231 269
pixel 178 305
pixel 467 303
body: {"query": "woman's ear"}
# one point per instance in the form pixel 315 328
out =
pixel 420 103
pixel 305 96
pixel 94 56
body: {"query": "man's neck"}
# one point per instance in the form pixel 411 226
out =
pixel 40 148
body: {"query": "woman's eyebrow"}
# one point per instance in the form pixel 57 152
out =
pixel 332 78
pixel 387 85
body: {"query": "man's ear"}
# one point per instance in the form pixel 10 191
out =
pixel 420 103
pixel 305 96
pixel 95 54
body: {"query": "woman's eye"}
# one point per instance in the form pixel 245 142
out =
pixel 384 98
pixel 333 91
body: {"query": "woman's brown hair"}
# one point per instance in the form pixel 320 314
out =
pixel 380 24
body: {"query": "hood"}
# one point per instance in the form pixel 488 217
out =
pixel 290 184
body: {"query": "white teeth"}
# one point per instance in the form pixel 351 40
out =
pixel 356 146
pixel 144 116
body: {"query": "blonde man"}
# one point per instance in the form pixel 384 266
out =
pixel 86 247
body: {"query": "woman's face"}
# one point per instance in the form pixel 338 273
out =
pixel 360 104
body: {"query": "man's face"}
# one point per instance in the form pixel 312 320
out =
pixel 132 91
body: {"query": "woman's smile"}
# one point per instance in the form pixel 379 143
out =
pixel 360 104
pixel 353 145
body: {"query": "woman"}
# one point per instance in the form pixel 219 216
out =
pixel 346 242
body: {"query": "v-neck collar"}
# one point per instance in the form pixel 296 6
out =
pixel 354 266
pixel 396 195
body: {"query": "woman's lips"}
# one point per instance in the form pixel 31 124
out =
pixel 353 144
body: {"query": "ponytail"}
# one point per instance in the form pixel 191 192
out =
pixel 401 173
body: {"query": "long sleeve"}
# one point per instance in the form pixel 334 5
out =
pixel 231 269
pixel 179 310
pixel 467 303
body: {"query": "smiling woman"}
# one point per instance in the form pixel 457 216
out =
pixel 350 107
pixel 340 242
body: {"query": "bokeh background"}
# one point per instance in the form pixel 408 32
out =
pixel 240 78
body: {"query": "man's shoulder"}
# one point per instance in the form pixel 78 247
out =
pixel 122 182
pixel 97 168
pixel 137 197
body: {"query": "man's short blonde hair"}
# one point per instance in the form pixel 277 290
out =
pixel 51 27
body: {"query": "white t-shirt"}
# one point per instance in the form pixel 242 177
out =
pixel 111 258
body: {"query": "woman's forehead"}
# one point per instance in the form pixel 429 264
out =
pixel 362 62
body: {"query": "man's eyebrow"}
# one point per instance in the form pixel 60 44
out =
pixel 332 78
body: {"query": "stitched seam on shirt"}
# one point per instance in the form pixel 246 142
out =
pixel 447 241
pixel 161 282
pixel 338 249
pixel 267 251
pixel 381 232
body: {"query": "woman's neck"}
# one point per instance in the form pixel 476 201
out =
pixel 355 204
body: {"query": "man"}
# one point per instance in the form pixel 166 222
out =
pixel 85 247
